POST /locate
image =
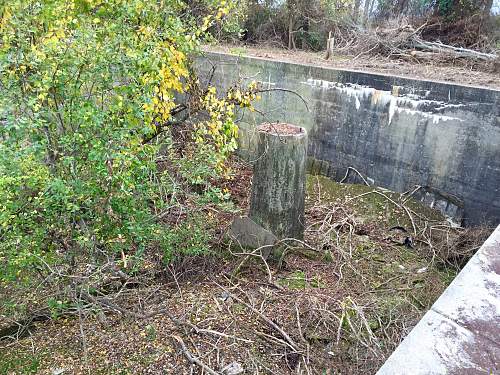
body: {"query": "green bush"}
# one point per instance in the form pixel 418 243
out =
pixel 89 96
pixel 190 238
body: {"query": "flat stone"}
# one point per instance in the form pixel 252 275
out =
pixel 250 235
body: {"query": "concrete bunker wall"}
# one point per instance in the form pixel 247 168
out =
pixel 398 132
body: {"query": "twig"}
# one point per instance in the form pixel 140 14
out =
pixel 286 90
pixel 276 327
pixel 355 170
pixel 191 358
pixel 305 358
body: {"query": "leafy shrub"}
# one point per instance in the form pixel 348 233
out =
pixel 190 238
pixel 89 96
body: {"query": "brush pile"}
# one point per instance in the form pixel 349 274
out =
pixel 406 42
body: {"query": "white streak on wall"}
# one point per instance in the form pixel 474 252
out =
pixel 410 103
pixel 358 103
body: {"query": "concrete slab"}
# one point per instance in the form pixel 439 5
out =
pixel 473 298
pixel 461 332
pixel 437 345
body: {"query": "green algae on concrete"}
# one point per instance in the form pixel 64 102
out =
pixel 370 202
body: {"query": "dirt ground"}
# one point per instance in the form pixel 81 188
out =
pixel 449 72
pixel 338 303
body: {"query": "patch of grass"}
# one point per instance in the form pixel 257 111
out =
pixel 299 280
pixel 238 308
pixel 150 332
pixel 389 301
pixel 18 363
pixel 240 51
pixel 296 280
pixel 447 275
pixel 316 282
pixel 10 307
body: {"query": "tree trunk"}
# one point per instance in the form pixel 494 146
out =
pixel 401 7
pixel 291 44
pixel 366 11
pixel 278 186
pixel 488 4
pixel 329 46
pixel 355 13
pixel 290 11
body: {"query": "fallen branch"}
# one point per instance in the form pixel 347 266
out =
pixel 273 325
pixel 455 51
pixel 355 170
pixel 191 358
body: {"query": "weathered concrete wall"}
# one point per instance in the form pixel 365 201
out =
pixel 398 132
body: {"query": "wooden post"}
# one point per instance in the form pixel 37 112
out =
pixel 278 186
pixel 329 46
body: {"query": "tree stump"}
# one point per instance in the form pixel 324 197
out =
pixel 278 186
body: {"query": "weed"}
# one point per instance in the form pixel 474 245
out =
pixel 239 51
pixel 17 363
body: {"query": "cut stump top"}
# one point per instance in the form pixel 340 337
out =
pixel 281 129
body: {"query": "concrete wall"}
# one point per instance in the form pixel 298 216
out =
pixel 396 131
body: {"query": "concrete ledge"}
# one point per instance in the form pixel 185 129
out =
pixel 461 332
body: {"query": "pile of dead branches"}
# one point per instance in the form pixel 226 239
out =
pixel 453 247
pixel 475 32
pixel 403 41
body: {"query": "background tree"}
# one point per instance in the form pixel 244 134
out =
pixel 307 24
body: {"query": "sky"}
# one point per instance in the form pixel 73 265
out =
pixel 496 7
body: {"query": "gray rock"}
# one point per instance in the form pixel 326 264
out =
pixel 250 235
pixel 234 368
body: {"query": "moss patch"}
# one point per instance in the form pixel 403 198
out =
pixel 13 362
pixel 299 280
pixel 369 202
